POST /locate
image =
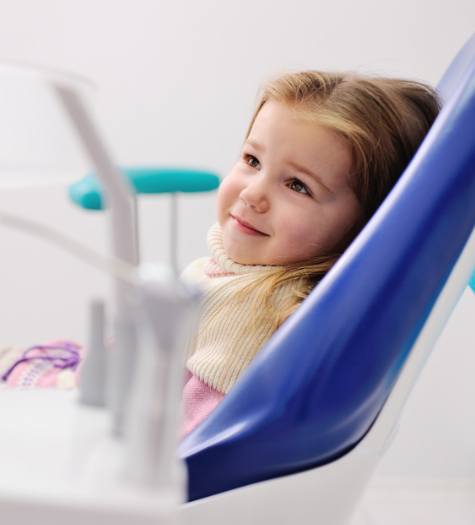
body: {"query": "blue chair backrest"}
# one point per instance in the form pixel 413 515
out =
pixel 319 383
pixel 458 72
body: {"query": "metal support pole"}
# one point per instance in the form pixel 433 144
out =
pixel 122 204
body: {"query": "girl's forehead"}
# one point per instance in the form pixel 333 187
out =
pixel 280 132
pixel 279 120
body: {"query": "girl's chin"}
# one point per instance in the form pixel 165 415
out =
pixel 239 256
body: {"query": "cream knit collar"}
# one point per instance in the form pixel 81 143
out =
pixel 220 264
pixel 227 338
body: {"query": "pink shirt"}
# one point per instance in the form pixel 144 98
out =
pixel 199 400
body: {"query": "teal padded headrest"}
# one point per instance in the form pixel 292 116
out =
pixel 87 193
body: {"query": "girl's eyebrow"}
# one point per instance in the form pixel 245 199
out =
pixel 311 174
pixel 301 169
pixel 255 145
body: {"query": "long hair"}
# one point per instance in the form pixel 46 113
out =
pixel 383 121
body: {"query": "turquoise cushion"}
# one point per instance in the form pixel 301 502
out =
pixel 87 193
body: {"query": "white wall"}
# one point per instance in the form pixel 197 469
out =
pixel 177 83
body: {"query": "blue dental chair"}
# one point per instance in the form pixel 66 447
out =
pixel 321 383
pixel 320 403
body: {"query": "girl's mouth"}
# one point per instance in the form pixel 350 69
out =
pixel 245 227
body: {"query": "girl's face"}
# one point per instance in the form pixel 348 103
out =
pixel 287 198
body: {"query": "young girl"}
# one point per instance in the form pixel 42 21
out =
pixel 321 153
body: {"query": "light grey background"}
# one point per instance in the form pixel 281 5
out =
pixel 177 82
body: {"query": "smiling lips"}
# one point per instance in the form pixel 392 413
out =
pixel 245 227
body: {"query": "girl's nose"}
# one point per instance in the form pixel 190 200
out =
pixel 255 195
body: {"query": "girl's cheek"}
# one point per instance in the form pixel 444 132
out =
pixel 231 186
pixel 227 195
pixel 223 192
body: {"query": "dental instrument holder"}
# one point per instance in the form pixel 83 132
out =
pixel 167 314
pixel 92 386
pixel 87 192
pixel 123 209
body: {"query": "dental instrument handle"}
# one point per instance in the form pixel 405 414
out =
pixel 122 368
pixel 92 380
pixel 167 317
pixel 173 246
pixel 123 212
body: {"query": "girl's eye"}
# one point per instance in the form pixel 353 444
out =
pixel 252 161
pixel 299 187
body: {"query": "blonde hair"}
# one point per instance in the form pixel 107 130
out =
pixel 383 120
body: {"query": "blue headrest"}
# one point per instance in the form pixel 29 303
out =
pixel 317 386
pixel 461 68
